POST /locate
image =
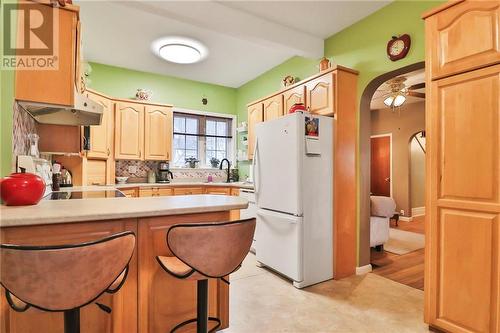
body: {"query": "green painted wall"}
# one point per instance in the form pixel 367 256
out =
pixel 123 83
pixel 6 103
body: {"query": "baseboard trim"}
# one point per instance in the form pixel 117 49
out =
pixel 364 269
pixel 417 211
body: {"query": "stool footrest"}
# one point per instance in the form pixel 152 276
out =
pixel 193 320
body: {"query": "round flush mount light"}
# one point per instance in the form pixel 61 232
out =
pixel 179 50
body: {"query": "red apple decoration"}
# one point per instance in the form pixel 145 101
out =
pixel 21 189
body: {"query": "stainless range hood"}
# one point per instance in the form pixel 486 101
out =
pixel 84 112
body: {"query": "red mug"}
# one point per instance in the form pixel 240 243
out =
pixel 297 107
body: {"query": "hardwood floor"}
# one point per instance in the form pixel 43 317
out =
pixel 416 225
pixel 408 268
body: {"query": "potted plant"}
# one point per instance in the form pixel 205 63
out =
pixel 192 162
pixel 214 161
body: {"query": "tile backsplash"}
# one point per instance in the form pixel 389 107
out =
pixel 180 174
pixel 23 124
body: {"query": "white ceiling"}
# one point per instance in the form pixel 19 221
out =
pixel 412 78
pixel 244 38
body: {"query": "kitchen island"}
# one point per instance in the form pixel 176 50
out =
pixel 150 300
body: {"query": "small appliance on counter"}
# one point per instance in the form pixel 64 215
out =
pixel 39 167
pixel 66 178
pixel 163 173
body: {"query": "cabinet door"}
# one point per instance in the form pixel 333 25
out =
pixel 165 191
pixel 219 190
pixel 254 116
pixel 188 190
pixel 100 140
pixel 96 172
pixel 320 95
pixel 146 192
pixel 292 96
pixel 56 85
pixel 463 37
pixel 273 107
pixel 158 133
pixel 129 131
pixel 129 192
pixel 463 227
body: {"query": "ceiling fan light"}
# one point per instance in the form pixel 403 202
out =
pixel 388 101
pixel 399 100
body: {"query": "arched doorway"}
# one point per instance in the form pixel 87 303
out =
pixel 365 156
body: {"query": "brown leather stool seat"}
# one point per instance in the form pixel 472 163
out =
pixel 64 278
pixel 204 251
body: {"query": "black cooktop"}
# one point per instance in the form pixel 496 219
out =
pixel 63 195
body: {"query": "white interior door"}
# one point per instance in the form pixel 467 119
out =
pixel 279 242
pixel 278 164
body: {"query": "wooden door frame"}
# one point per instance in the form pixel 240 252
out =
pixel 390 157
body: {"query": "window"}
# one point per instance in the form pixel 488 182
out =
pixel 202 137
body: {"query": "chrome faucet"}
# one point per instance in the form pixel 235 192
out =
pixel 228 167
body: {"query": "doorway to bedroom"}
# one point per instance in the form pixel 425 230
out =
pixel 397 179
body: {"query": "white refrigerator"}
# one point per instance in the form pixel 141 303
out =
pixel 293 179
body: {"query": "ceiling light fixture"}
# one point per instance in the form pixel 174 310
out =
pixel 395 101
pixel 179 50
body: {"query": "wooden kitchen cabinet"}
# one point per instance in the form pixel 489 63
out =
pixel 462 267
pixel 101 136
pixel 155 192
pixel 55 86
pixel 273 107
pixel 188 190
pixel 129 130
pixel 293 96
pixel 319 94
pixel 130 192
pixel 255 116
pixel 218 190
pixel 158 132
pixel 463 37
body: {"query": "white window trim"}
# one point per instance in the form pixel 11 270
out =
pixel 232 146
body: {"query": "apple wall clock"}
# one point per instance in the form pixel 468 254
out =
pixel 398 47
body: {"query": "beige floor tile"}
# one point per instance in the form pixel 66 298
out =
pixel 263 302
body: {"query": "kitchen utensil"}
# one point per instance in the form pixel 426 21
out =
pixel 163 173
pixel 121 180
pixel 21 189
pixel 66 178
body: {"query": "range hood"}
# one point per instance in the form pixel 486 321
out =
pixel 84 112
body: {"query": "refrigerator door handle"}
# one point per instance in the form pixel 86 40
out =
pixel 254 164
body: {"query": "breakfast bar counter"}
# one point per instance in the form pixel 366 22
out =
pixel 150 301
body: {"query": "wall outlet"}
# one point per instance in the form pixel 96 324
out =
pixel 402 212
pixel 132 169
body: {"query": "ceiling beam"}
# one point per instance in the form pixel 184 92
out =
pixel 216 16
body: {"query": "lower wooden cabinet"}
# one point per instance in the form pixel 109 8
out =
pixel 188 190
pixel 130 192
pixel 155 192
pixel 218 190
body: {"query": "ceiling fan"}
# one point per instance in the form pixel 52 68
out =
pixel 396 92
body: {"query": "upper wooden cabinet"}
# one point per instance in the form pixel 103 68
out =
pixel 129 130
pixel 273 107
pixel 462 283
pixel 463 37
pixel 55 86
pixel 101 136
pixel 255 115
pixel 158 132
pixel 320 95
pixel 293 96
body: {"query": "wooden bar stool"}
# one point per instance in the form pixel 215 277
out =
pixel 203 251
pixel 65 278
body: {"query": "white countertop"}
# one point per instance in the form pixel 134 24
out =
pixel 78 210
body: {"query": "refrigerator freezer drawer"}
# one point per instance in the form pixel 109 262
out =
pixel 279 242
